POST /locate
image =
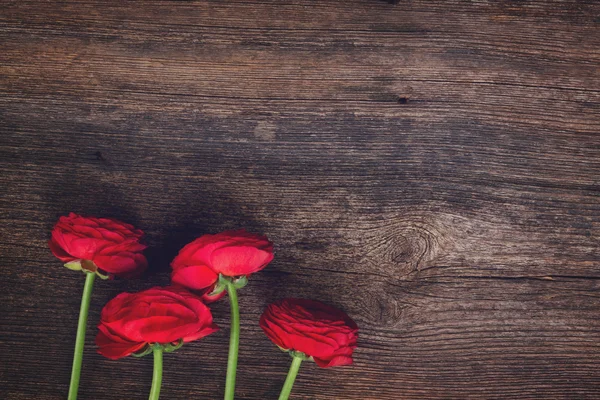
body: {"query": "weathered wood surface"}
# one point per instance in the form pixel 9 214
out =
pixel 431 167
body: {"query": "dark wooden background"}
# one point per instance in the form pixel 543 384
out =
pixel 431 167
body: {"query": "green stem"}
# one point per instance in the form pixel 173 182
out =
pixel 80 339
pixel 234 342
pixel 291 377
pixel 157 374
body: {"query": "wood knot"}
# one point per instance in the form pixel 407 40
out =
pixel 406 245
pixel 381 308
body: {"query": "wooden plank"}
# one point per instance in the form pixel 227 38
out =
pixel 431 167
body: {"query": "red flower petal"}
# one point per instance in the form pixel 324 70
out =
pixel 59 252
pixel 232 253
pixel 125 263
pixel 157 315
pixel 89 238
pixel 334 362
pixel 311 327
pixel 200 334
pixel 194 277
pixel 114 348
pixel 208 298
pixel 236 260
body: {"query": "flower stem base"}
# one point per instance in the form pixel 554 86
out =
pixel 80 338
pixel 157 372
pixel 234 342
pixel 291 378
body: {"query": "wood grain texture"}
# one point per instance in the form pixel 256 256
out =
pixel 431 167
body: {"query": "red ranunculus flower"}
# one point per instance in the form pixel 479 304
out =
pixel 113 246
pixel 231 253
pixel 320 331
pixel 167 315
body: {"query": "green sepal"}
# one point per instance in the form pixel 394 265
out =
pixel 220 286
pixel 88 266
pixel 102 276
pixel 74 265
pixel 169 347
pixel 296 354
pixel 240 282
pixel 301 355
pixel 282 349
pixel 145 351
pixel 225 281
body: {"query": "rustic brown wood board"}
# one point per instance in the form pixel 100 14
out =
pixel 430 167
